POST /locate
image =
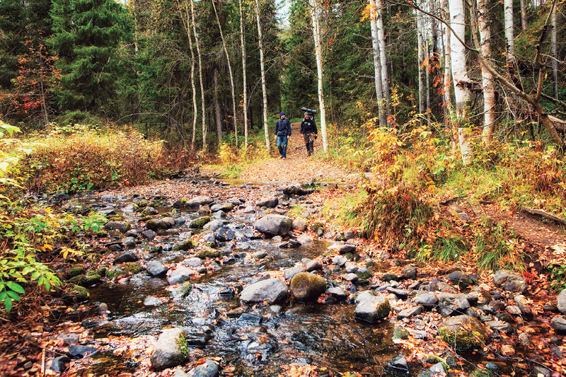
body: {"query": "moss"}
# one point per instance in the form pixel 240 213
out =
pixel 139 206
pixel 364 275
pixel 78 292
pixel 76 270
pixel 101 234
pixel 480 373
pixel 114 272
pixel 185 245
pixel 463 340
pixel 435 360
pixel 116 218
pixel 183 348
pixel 145 218
pixel 102 271
pixel 133 268
pixel 307 286
pixel 400 333
pixel 91 279
pixel 187 287
pixel 79 279
pixel 200 222
pixel 208 254
pixel 183 201
pixel 145 213
pixel 316 226
pixel 212 245
pixel 384 309
pixel 370 263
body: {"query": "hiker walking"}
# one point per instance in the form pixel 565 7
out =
pixel 283 133
pixel 309 132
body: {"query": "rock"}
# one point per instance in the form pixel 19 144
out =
pixel 59 363
pixel 78 350
pixel 208 369
pixel 259 254
pixel 300 224
pixel 400 333
pixel 411 312
pixel 428 300
pixel 156 268
pixel 170 350
pixel 160 224
pixel 343 248
pixel 463 333
pixel 339 260
pixel 389 277
pixel 337 292
pixel 513 310
pixel 510 281
pixel 437 369
pixel 372 308
pixel 461 279
pixel 152 301
pixel 214 225
pixel 268 202
pixel 184 245
pixel 199 223
pixel 124 258
pixel 193 262
pixel 351 277
pixel 525 340
pixel 129 241
pixel 558 323
pixel 450 303
pixel 224 234
pixel 401 293
pixel 148 235
pixel 198 201
pixel 538 371
pixel 307 287
pixel 561 299
pixel 116 225
pixel 313 265
pixel 274 225
pixel 364 273
pixel 224 207
pixel 271 290
pixel 351 267
pixel 180 275
pixel 410 272
pixel 149 211
pixel 521 302
pixel 219 215
pixel 90 323
pixel 289 273
pixel 305 239
pixel 399 362
pixel 500 326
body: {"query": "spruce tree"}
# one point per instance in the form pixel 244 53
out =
pixel 87 36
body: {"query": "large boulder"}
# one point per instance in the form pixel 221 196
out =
pixel 274 225
pixel 561 299
pixel 207 369
pixel 271 290
pixel 343 248
pixel 371 308
pixel 464 333
pixel 170 350
pixel 225 207
pixel 510 281
pixel 224 234
pixel 160 224
pixel 307 287
pixel 428 300
pixel 558 323
pixel 268 202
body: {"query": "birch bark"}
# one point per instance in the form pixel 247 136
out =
pixel 487 77
pixel 315 13
pixel 377 65
pixel 262 69
pixel 383 57
pixel 243 43
pixel 202 102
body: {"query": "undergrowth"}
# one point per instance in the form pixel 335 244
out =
pixel 415 171
pixel 233 159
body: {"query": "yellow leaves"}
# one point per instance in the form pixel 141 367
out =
pixel 46 247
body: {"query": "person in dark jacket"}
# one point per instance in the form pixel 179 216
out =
pixel 283 133
pixel 309 132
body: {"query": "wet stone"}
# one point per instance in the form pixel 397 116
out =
pixel 161 224
pixel 411 312
pixel 259 254
pixel 401 293
pixel 124 258
pixel 193 262
pixel 271 290
pixel 337 293
pixel 116 225
pixel 129 241
pixel 156 268
pixel 313 266
pixel 558 323
pixel 561 300
pixel 410 272
pixel 180 274
pixel 339 260
pixel 510 281
pixel 500 326
pixel 342 248
pixel 167 351
pixel 371 308
pixel 79 350
pixel 152 301
pixel 208 369
pixel 399 362
pixel 351 267
pixel 224 234
pixel 513 310
pixel 289 273
pixel 351 277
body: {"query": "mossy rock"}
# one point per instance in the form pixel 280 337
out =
pixel 352 256
pixel 212 245
pixel 183 347
pixel 370 263
pixel 75 271
pixel 139 206
pixel 306 286
pixel 78 279
pixel 208 254
pixel 316 226
pixel 464 333
pixel 365 275
pixel 199 223
pixel 133 268
pixel 400 333
pixel 480 373
pixel 116 218
pixel 101 234
pixel 145 218
pixel 435 360
pixel 184 246
pixel 102 271
pixel 78 293
pixel 115 272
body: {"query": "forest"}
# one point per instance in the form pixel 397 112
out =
pixel 154 223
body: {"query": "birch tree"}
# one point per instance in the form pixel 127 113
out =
pixel 487 77
pixel 509 34
pixel 420 53
pixel 553 51
pixel 524 15
pixel 315 13
pixel 243 43
pixel 202 101
pixel 230 74
pixel 383 57
pixel 460 74
pixel 377 65
pixel 262 69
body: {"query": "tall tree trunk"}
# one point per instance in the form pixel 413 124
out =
pixel 315 13
pixel 377 65
pixel 420 52
pixel 487 77
pixel 509 34
pixel 203 104
pixel 229 73
pixel 383 57
pixel 217 110
pixel 460 75
pixel 187 23
pixel 262 69
pixel 524 15
pixel 553 43
pixel 427 81
pixel 243 42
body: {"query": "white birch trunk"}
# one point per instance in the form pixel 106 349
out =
pixel 231 76
pixel 188 28
pixel 262 69
pixel 315 13
pixel 420 53
pixel 383 57
pixel 460 74
pixel 203 105
pixel 524 15
pixel 509 35
pixel 448 108
pixel 554 52
pixel 487 77
pixel 245 105
pixel 377 65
